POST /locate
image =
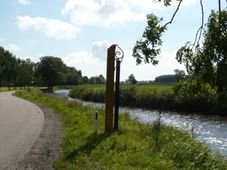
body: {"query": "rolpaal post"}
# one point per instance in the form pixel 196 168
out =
pixel 109 89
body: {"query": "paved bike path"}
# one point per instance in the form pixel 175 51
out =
pixel 20 124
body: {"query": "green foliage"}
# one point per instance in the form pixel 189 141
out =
pixel 221 101
pixel 73 76
pixel 195 95
pixel 132 147
pixel 51 70
pixel 88 93
pixel 167 2
pixel 8 69
pixel 96 80
pixel 208 64
pixel 147 48
pixel 25 72
pixel 215 37
pixel 221 76
pixel 131 79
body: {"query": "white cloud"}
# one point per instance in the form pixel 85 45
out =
pixel 93 63
pixel 111 12
pixel 11 47
pixel 52 28
pixel 24 2
pixel 86 62
pixel 104 12
pixel 99 49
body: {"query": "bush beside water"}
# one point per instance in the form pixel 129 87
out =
pixel 134 146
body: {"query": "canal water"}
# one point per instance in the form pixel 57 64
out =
pixel 209 129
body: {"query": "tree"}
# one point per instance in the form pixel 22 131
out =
pixel 85 80
pixel 36 77
pixel 25 72
pixel 74 77
pixel 101 79
pixel 97 79
pixel 51 70
pixel 2 51
pixel 8 65
pixel 210 59
pixel 215 47
pixel 208 63
pixel 131 79
pixel 147 48
pixel 179 74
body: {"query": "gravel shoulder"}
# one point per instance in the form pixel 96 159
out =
pixel 46 148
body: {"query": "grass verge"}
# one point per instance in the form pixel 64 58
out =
pixel 2 89
pixel 134 146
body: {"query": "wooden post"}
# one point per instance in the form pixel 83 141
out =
pixel 109 89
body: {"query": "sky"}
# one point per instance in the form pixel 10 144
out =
pixel 80 31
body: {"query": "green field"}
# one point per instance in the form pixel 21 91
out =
pixel 134 146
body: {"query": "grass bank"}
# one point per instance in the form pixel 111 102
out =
pixel 134 146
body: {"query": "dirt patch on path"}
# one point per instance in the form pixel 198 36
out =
pixel 46 148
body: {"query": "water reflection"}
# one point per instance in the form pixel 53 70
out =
pixel 209 129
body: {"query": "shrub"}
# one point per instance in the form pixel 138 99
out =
pixel 194 96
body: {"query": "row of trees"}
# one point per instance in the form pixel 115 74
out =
pixel 14 71
pixel 49 71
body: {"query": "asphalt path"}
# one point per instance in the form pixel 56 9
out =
pixel 20 125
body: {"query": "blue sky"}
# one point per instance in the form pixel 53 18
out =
pixel 80 31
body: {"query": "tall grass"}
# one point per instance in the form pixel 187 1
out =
pixel 134 146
